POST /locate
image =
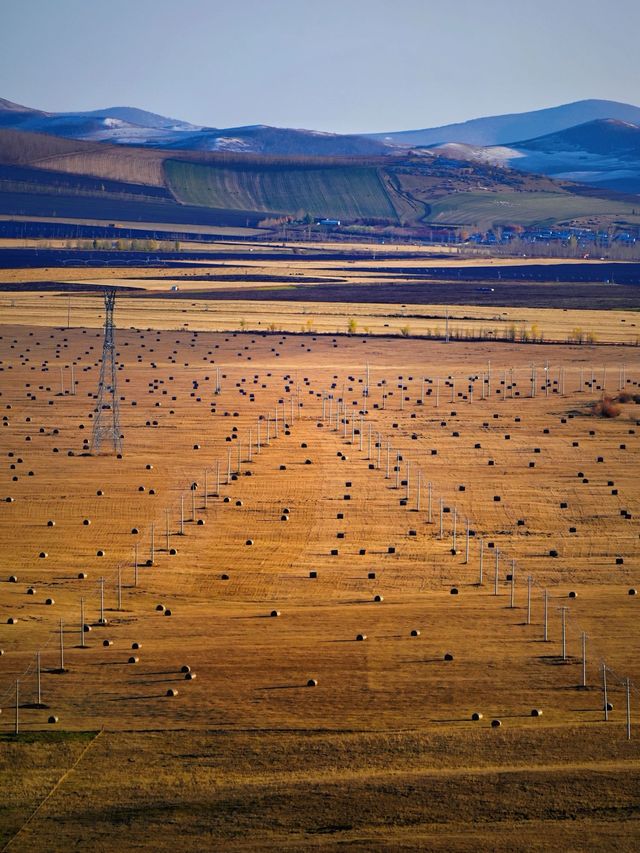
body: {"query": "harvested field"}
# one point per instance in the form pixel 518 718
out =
pixel 382 752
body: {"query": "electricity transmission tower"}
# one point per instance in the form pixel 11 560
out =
pixel 106 424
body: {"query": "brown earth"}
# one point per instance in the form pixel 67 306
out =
pixel 382 753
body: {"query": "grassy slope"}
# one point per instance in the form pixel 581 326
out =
pixel 530 208
pixel 346 192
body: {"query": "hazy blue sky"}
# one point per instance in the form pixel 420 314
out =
pixel 343 65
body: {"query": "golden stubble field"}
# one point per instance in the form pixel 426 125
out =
pixel 382 752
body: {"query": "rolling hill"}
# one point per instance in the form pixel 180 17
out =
pixel 498 130
pixel 55 177
pixel 132 126
pixel 603 153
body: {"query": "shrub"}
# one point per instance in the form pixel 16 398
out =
pixel 606 408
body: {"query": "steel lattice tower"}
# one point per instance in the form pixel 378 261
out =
pixel 106 424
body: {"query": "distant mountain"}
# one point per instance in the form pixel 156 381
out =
pixel 141 118
pixel 496 130
pixel 603 153
pixel 131 126
pixel 283 142
pixel 10 107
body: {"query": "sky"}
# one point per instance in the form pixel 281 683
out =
pixel 334 65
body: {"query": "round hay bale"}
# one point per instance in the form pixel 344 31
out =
pixel 13 579
pixel 275 613
pixel 189 676
pixel 31 590
pixel 495 724
pixel 102 621
pixel 99 553
pixel 51 523
pixel 200 521
pixel 185 668
pixel 378 598
pixel 249 542
pixel 133 659
pixel 172 692
pixel 573 594
pixel 49 601
pixel 167 612
pixel 136 645
pixel 283 467
pixel 82 576
pixel 448 656
pixel 149 563
pixel 52 719
pixel 107 643
pixel 12 620
pixel 312 682
pixel 86 522
pixel 415 632
pixel 633 591
pixel 609 706
pixel 134 531
pixel 224 577
pixel 476 715
pixel 361 637
pixel 9 500
pixel 87 628
pixel 226 500
pixel 100 493
pixel 536 712
pixel 284 518
pixel 160 607
pixel 43 555
pixel 453 590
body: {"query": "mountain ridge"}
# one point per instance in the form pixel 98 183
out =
pixel 497 130
pixel 132 126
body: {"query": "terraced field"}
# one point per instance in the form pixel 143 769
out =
pixel 342 192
